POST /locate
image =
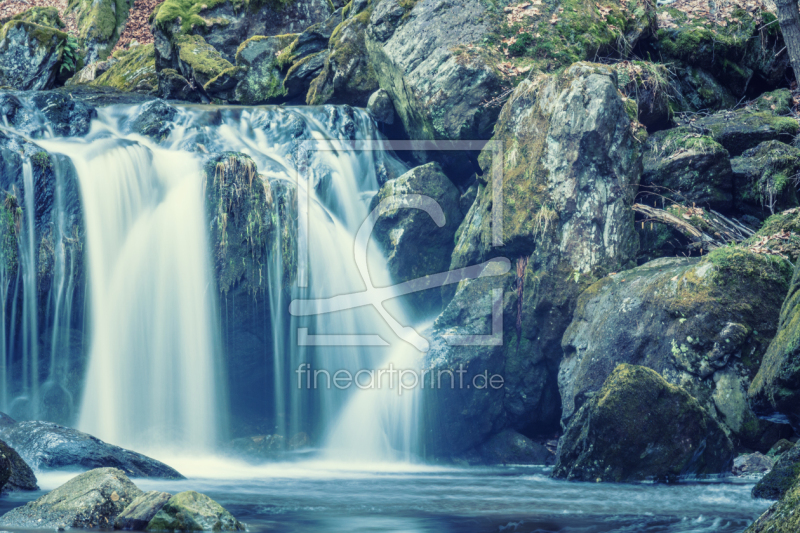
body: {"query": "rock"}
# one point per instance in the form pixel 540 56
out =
pixel 313 39
pixel 153 119
pixel 697 90
pixel 45 445
pixel 132 70
pixel 20 476
pixel 699 323
pixel 765 177
pixel 752 463
pixel 783 476
pixel 743 129
pixel 509 447
pixel 93 499
pixel 259 447
pixel 736 54
pixel 43 16
pixel 225 24
pixel 192 511
pixel 141 511
pixel 30 55
pixel 781 517
pixel 780 447
pixel 687 169
pixel 775 391
pixel 298 441
pixel 173 86
pixel 66 116
pixel 299 77
pixel 6 421
pixel 415 245
pixel 203 65
pixel 609 440
pixel 780 233
pixel 565 219
pixel 380 107
pixel 263 78
pixel 100 23
pixel 347 76
pixel 650 86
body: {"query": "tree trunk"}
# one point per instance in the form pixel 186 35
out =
pixel 789 19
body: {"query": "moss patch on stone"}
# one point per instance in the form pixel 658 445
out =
pixel 135 70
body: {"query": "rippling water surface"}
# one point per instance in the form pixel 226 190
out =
pixel 326 497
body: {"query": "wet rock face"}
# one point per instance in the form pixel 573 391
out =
pixel 783 476
pixel 141 511
pixel 700 323
pixel 15 474
pixel 609 440
pixel 45 445
pixel 154 119
pixel 30 55
pixel 94 499
pixel 192 511
pixel 415 245
pixel 775 391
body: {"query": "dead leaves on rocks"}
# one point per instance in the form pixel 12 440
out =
pixel 710 13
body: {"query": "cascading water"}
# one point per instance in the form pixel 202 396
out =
pixel 155 374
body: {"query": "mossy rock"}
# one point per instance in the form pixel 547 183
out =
pixel 776 483
pixel 698 90
pixel 99 24
pixel 781 517
pixel 347 76
pixel 43 16
pixel 134 71
pixel 765 178
pixel 776 388
pixel 743 129
pixel 192 511
pixel 30 55
pixel 262 78
pixel 610 440
pixel 202 64
pixel 780 234
pixel 173 86
pixel 701 323
pixel 688 168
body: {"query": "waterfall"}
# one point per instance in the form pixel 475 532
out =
pixel 155 374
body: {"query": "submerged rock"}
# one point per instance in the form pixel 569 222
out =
pixel 785 473
pixel 15 474
pixel 47 445
pixel 610 440
pixel 141 510
pixel 93 499
pixel 192 511
pixel 153 119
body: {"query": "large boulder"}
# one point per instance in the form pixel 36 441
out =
pixel 775 391
pixel 610 440
pixel 570 170
pixel 781 517
pixel 415 245
pixel 93 499
pixel 30 53
pixel 15 474
pixel 765 178
pixel 702 324
pixel 100 23
pixel 142 510
pixel 45 445
pixel 784 474
pixel 192 511
pixel 348 76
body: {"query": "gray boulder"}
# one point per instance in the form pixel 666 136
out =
pixel 45 445
pixel 380 107
pixel 93 499
pixel 752 463
pixel 141 511
pixel 30 55
pixel 700 323
pixel 781 478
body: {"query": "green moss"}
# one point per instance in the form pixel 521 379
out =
pixel 100 21
pixel 203 59
pixel 134 70
pixel 190 12
pixel 43 16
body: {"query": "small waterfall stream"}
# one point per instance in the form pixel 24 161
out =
pixel 155 374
